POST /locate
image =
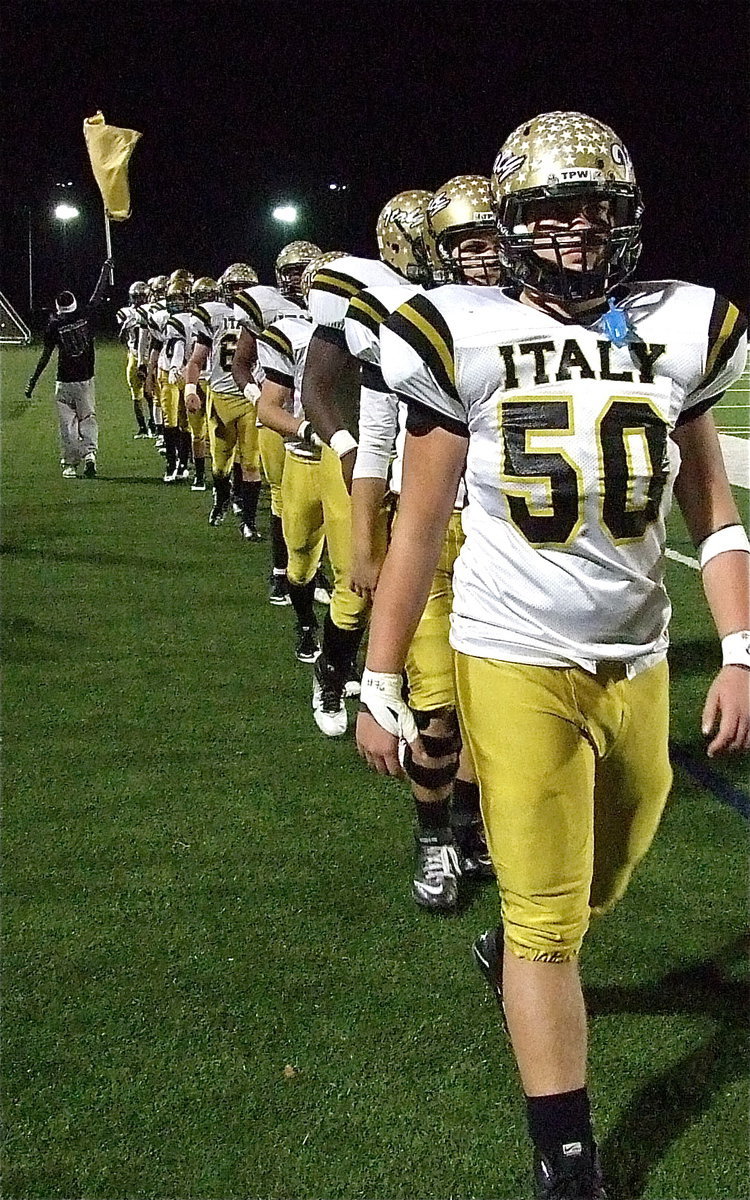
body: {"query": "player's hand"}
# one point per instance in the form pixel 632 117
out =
pixel 726 713
pixel 193 404
pixel 365 575
pixel 175 375
pixel 142 372
pixel 387 721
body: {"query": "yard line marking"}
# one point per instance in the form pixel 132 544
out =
pixel 683 558
pixel 710 779
pixel 736 451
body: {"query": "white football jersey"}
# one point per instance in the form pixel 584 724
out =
pixel 214 325
pixel 258 306
pixel 335 283
pixel 570 463
pixel 282 349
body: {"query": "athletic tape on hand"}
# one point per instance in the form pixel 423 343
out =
pixel 381 695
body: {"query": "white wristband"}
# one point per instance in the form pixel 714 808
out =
pixel 190 390
pixel 251 392
pixel 735 649
pixel 381 694
pixel 342 442
pixel 731 537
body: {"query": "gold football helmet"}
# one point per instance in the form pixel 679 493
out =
pixel 569 163
pixel 157 287
pixel 290 265
pixel 403 237
pixel 462 224
pixel 236 277
pixel 138 292
pixel 314 265
pixel 178 296
pixel 180 275
pixel 204 288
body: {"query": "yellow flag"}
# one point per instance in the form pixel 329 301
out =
pixel 109 150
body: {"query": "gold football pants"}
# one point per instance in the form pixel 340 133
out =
pixel 348 610
pixel 232 432
pixel 173 403
pixel 429 663
pixel 574 773
pixel 135 383
pixel 272 457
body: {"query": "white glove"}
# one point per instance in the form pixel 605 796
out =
pixel 381 694
pixel 175 375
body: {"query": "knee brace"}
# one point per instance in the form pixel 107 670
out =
pixel 448 746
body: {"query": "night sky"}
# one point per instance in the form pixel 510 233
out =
pixel 243 103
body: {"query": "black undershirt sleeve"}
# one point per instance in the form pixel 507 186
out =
pixel 421 420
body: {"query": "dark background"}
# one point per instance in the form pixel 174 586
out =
pixel 243 103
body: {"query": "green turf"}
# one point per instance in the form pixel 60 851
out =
pixel 201 892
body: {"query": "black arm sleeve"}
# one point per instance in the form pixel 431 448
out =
pixel 421 420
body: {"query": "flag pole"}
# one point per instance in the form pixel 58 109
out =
pixel 108 240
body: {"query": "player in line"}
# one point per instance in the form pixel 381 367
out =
pixel 576 401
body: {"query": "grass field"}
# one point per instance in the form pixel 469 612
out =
pixel 216 985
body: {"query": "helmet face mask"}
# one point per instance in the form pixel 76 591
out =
pixel 157 286
pixel 178 296
pixel 462 224
pixel 204 289
pixel 138 291
pixel 290 266
pixel 568 208
pixel 235 278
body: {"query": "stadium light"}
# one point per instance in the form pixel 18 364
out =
pixel 285 213
pixel 66 212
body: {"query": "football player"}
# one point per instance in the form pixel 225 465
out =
pixel 255 308
pixel 330 399
pixel 133 332
pixel 157 292
pixel 204 288
pixel 449 835
pixel 576 403
pixel 231 415
pixel 173 334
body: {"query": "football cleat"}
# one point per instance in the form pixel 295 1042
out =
pixel 140 435
pixel 218 512
pixel 198 485
pixel 475 856
pixel 89 467
pixel 577 1176
pixel 353 685
pixel 278 593
pixel 328 705
pixel 323 587
pixel 182 472
pixel 69 473
pixel 170 476
pixel 435 883
pixel 236 506
pixel 250 533
pixel 307 648
pixel 488 955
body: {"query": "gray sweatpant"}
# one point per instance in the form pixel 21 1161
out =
pixel 76 411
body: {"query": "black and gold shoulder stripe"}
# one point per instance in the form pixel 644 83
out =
pixel 725 328
pixel 420 324
pixel 203 315
pixel 250 307
pixel 278 340
pixel 336 282
pixel 368 311
pixel 176 325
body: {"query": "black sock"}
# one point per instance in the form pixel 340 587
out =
pixel 222 489
pixel 249 496
pixel 139 417
pixel 279 552
pixel 302 596
pixel 170 445
pixel 200 469
pixel 184 445
pixel 236 480
pixel 465 806
pixel 560 1125
pixel 432 814
pixel 340 646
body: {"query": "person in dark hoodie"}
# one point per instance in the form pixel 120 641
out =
pixel 71 332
